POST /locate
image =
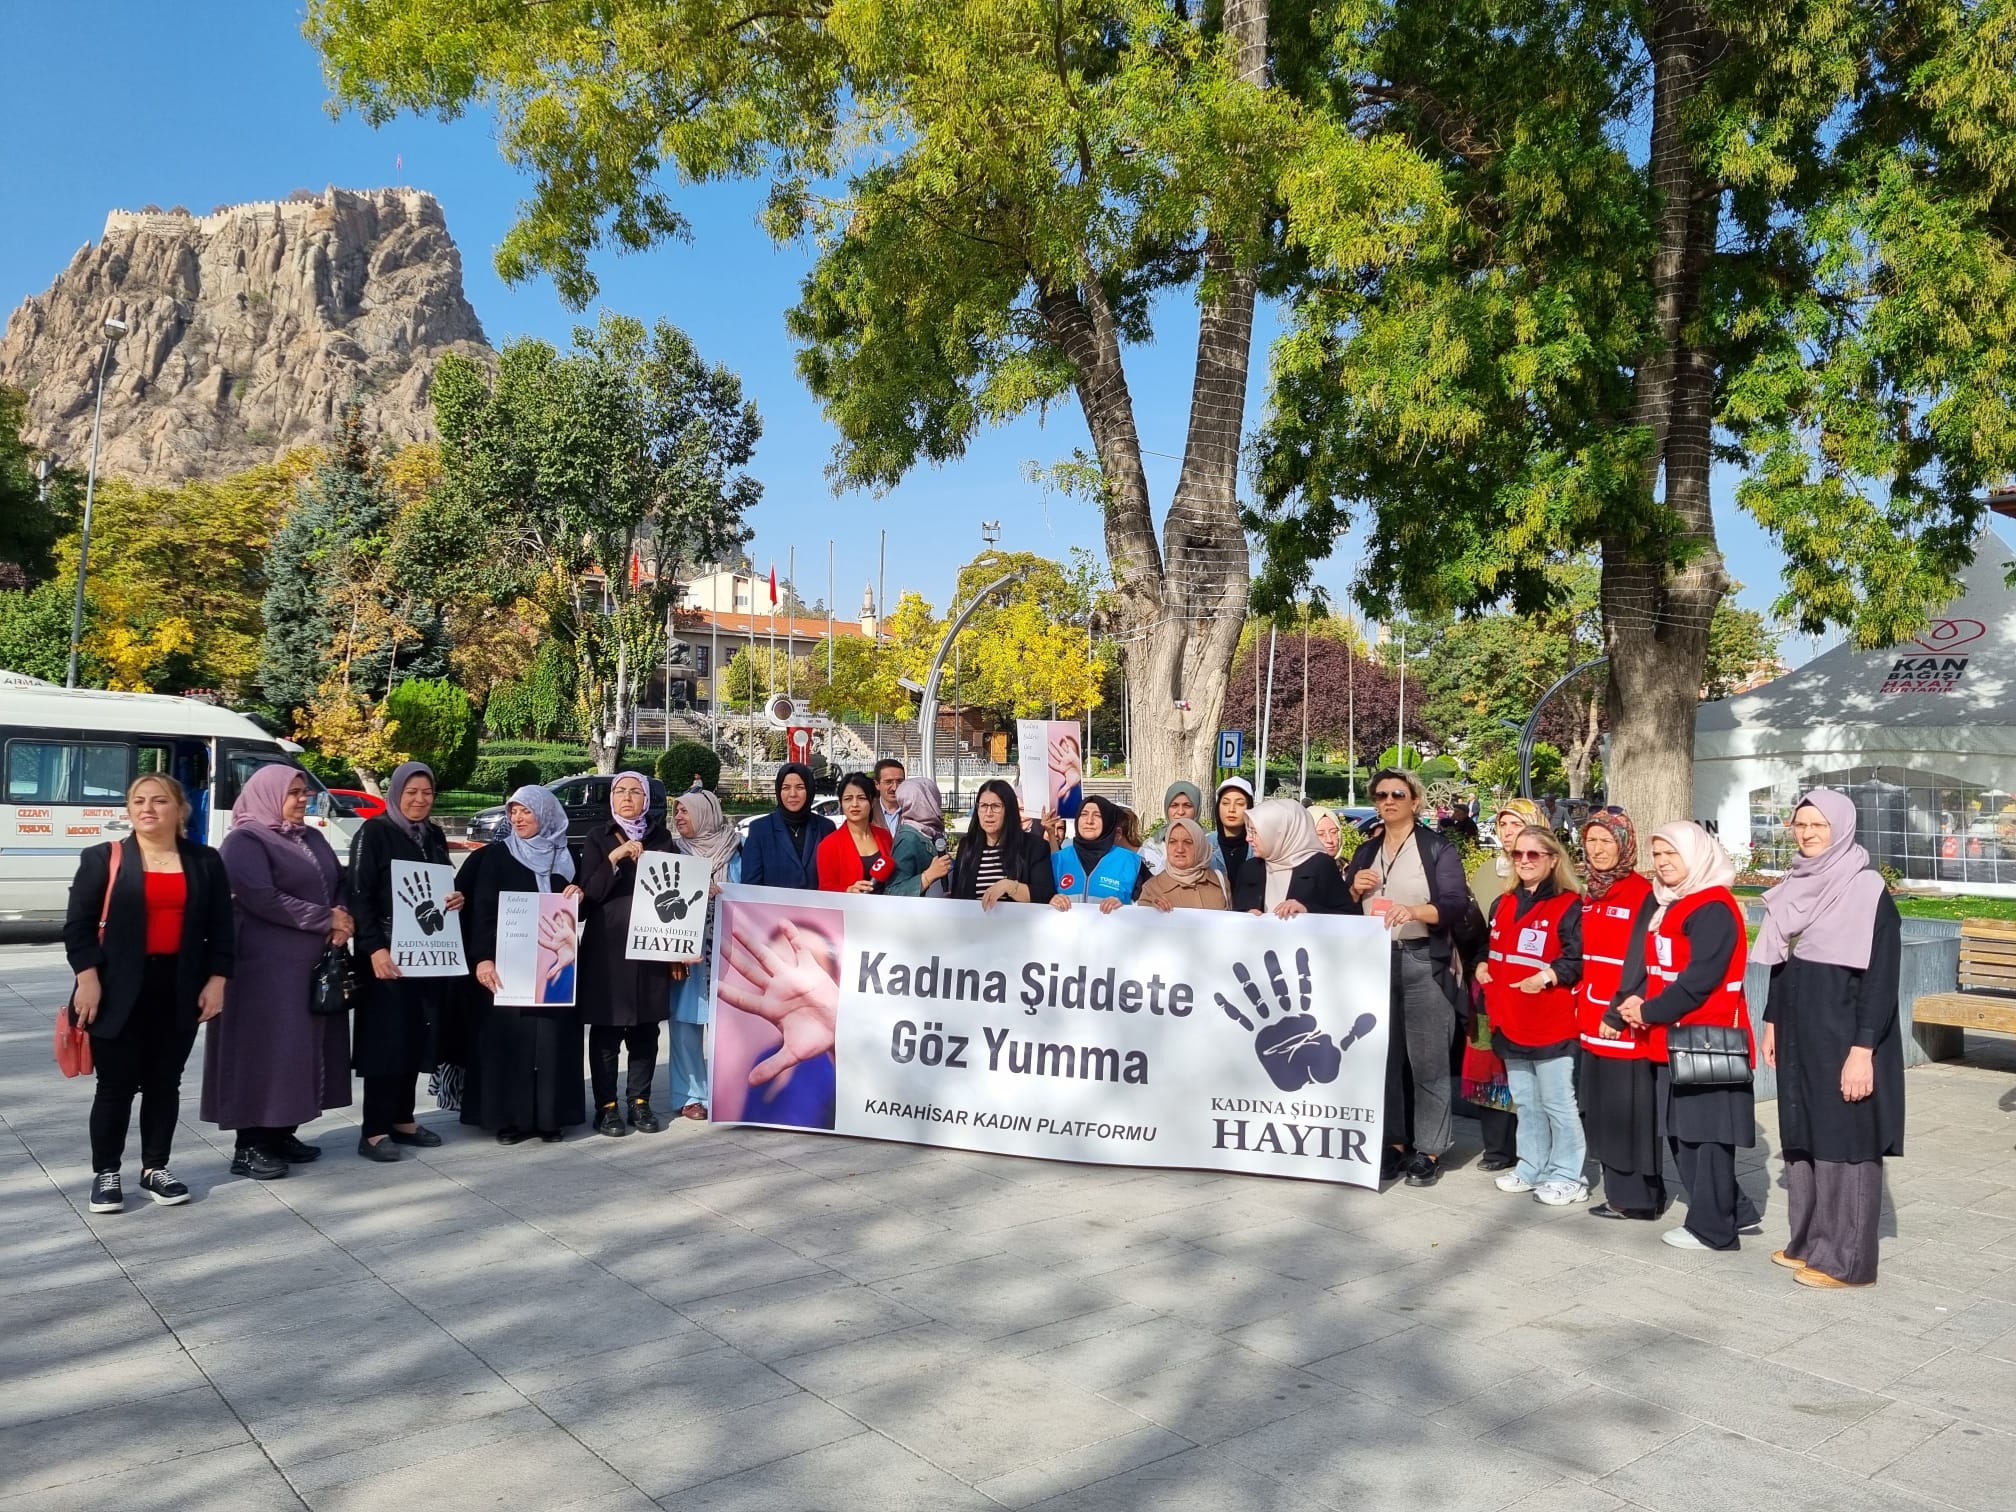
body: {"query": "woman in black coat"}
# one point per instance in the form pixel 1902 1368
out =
pixel 1287 871
pixel 159 971
pixel 396 1033
pixel 622 1001
pixel 999 861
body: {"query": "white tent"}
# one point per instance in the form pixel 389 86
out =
pixel 1923 734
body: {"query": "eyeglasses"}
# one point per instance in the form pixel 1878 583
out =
pixel 1390 796
pixel 1532 855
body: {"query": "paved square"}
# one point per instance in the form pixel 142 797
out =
pixel 713 1318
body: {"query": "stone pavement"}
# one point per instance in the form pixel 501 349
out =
pixel 719 1319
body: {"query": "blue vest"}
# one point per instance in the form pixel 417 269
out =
pixel 1113 877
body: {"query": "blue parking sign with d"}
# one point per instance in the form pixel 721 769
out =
pixel 1231 749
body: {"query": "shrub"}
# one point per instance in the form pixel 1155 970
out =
pixel 683 759
pixel 506 774
pixel 437 726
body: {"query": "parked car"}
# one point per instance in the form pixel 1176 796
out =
pixel 585 798
pixel 357 804
pixel 828 805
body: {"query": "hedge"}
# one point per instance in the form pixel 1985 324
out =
pixel 505 774
pixel 682 761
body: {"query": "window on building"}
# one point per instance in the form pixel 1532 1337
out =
pixel 1924 825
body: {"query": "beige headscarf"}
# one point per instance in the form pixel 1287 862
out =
pixel 1200 873
pixel 1288 836
pixel 1708 865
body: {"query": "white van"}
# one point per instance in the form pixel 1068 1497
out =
pixel 67 755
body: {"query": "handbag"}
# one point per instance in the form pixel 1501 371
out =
pixel 330 985
pixel 73 1041
pixel 1708 1055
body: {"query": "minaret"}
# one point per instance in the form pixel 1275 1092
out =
pixel 868 610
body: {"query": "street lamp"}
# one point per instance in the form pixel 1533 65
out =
pixel 114 329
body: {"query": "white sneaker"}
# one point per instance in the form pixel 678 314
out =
pixel 1682 1238
pixel 1512 1181
pixel 1561 1193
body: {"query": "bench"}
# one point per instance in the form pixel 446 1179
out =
pixel 1986 1001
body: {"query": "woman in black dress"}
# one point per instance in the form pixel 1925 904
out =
pixel 1833 941
pixel 527 1075
pixel 397 1017
pixel 622 1001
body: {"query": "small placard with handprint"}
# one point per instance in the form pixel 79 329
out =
pixel 668 909
pixel 426 935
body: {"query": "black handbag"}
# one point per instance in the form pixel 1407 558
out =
pixel 1708 1055
pixel 330 985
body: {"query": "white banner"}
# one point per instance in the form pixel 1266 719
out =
pixel 1210 1040
pixel 537 937
pixel 668 908
pixel 1051 754
pixel 426 938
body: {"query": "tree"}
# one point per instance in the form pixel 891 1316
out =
pixel 1805 262
pixel 35 632
pixel 1742 649
pixel 869 675
pixel 1349 694
pixel 755 671
pixel 1028 650
pixel 539 705
pixel 34 512
pixel 435 724
pixel 600 472
pixel 1010 191
pixel 683 760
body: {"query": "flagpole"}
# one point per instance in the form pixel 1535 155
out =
pixel 791 631
pixel 773 627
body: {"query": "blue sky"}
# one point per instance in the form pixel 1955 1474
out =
pixel 110 105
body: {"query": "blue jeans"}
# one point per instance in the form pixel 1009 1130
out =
pixel 1551 1144
pixel 689 1065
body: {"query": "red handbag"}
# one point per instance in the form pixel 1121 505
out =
pixel 73 1042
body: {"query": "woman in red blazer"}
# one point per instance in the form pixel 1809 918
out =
pixel 856 857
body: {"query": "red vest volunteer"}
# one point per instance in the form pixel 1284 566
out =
pixel 1607 925
pixel 1667 953
pixel 1531 933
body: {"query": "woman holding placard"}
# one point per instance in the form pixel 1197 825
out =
pixel 527 1073
pixel 398 1016
pixel 704 832
pixel 623 1001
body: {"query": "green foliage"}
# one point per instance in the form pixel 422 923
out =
pixel 30 525
pixel 35 631
pixel 435 725
pixel 525 772
pixel 539 705
pixel 681 761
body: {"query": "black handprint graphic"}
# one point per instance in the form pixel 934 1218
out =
pixel 665 896
pixel 1293 1049
pixel 417 893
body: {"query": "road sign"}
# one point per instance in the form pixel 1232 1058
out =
pixel 800 741
pixel 1231 749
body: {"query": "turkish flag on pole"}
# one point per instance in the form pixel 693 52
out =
pixel 635 568
pixel 773 586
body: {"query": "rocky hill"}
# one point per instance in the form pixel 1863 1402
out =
pixel 247 330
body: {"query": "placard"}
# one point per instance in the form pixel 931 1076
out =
pixel 1052 761
pixel 537 937
pixel 668 907
pixel 426 937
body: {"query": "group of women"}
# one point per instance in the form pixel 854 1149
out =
pixel 1585 994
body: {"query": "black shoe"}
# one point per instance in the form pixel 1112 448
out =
pixel 610 1121
pixel 258 1165
pixel 422 1138
pixel 291 1150
pixel 105 1194
pixel 1497 1162
pixel 1423 1170
pixel 512 1136
pixel 1391 1163
pixel 384 1152
pixel 642 1119
pixel 1604 1210
pixel 550 1136
pixel 161 1185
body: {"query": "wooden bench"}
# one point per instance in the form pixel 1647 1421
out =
pixel 1986 1001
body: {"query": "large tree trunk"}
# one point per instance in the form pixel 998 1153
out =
pixel 1659 595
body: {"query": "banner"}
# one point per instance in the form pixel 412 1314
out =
pixel 668 908
pixel 426 938
pixel 1052 754
pixel 1217 1041
pixel 537 936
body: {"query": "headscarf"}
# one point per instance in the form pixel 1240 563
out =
pixel 1198 874
pixel 922 807
pixel 544 854
pixel 1626 835
pixel 402 774
pixel 1092 852
pixel 1317 814
pixel 1708 865
pixel 1825 906
pixel 713 836
pixel 263 798
pixel 1189 790
pixel 794 820
pixel 1530 813
pixel 1288 837
pixel 632 828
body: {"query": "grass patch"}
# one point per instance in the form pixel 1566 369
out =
pixel 1967 907
pixel 460 803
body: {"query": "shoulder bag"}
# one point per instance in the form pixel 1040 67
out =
pixel 1708 1055
pixel 330 986
pixel 73 1040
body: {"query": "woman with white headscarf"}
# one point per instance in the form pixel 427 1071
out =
pixel 1294 875
pixel 526 1078
pixel 703 832
pixel 1686 967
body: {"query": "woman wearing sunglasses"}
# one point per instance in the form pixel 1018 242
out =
pixel 1529 978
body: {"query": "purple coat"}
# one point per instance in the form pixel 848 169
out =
pixel 268 1063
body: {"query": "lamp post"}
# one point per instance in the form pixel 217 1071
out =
pixel 114 329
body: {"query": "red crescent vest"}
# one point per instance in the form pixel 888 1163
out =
pixel 1606 935
pixel 1666 956
pixel 1521 948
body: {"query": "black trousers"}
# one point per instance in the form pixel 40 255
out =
pixel 604 1040
pixel 259 1139
pixel 145 1060
pixel 1638 1191
pixel 1716 1205
pixel 388 1102
pixel 1501 1131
